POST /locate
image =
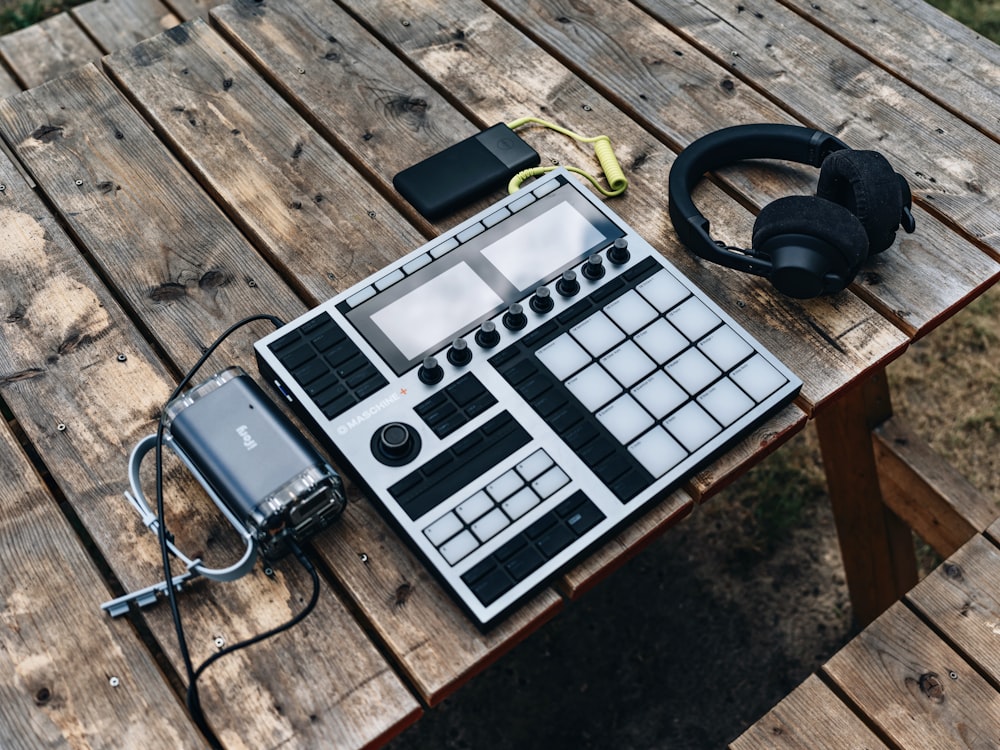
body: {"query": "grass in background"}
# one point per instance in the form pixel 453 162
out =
pixel 984 17
pixel 17 15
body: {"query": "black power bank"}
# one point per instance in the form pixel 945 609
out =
pixel 465 172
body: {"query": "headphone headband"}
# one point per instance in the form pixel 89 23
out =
pixel 722 147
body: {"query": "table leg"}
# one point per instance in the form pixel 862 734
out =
pixel 876 546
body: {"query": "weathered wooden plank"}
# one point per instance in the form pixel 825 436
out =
pixel 914 687
pixel 179 263
pixel 325 245
pixel 69 676
pixel 625 55
pixel 962 598
pixel 189 9
pixel 83 408
pixel 876 546
pixel 116 24
pixel 8 85
pixel 929 494
pixel 957 67
pixel 811 717
pixel 470 51
pixel 289 189
pixel 47 49
pixel 379 113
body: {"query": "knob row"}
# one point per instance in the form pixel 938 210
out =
pixel 515 319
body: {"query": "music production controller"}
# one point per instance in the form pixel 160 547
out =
pixel 513 391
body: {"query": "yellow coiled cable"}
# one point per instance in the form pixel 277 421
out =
pixel 613 171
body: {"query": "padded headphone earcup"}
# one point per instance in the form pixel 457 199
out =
pixel 865 184
pixel 807 238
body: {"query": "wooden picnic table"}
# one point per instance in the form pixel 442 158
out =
pixel 241 163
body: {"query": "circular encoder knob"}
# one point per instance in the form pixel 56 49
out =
pixel 430 371
pixel 618 253
pixel 567 285
pixel 541 300
pixel 395 444
pixel 514 318
pixel 594 268
pixel 459 354
pixel 488 336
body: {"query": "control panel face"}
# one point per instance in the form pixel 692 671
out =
pixel 512 391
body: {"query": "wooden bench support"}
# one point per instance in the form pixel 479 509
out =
pixel 926 492
pixel 876 545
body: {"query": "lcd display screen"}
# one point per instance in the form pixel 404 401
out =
pixel 432 312
pixel 542 245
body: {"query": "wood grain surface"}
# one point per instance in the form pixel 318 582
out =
pixel 931 495
pixel 85 385
pixel 69 676
pixel 811 717
pixel 957 67
pixel 914 687
pixel 288 188
pixel 961 597
pixel 115 24
pixel 47 50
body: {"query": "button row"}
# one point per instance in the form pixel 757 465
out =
pixel 493 508
pixel 447 473
pixel 518 558
pixel 328 365
pixel 453 406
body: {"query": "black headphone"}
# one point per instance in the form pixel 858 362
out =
pixel 806 245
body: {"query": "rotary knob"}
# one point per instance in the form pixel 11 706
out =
pixel 430 371
pixel 487 336
pixel 395 444
pixel 541 300
pixel 594 269
pixel 567 285
pixel 514 318
pixel 618 253
pixel 459 354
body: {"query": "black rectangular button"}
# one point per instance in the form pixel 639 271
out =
pixel 540 333
pixel 571 503
pixel 315 323
pixel 586 517
pixel 465 389
pixel 540 526
pixel 492 587
pixel 631 484
pixel 608 290
pixel 555 541
pixel 285 341
pixel 339 405
pixel 295 358
pixel 524 563
pixel 479 570
pixel 508 550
